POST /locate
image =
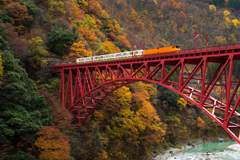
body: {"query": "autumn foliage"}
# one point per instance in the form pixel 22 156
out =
pixel 17 11
pixel 133 122
pixel 53 144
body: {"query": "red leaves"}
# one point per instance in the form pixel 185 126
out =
pixel 17 45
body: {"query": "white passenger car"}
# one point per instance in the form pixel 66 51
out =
pixel 110 56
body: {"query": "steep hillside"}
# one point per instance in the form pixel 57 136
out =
pixel 164 22
pixel 137 121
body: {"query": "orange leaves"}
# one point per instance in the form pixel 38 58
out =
pixel 18 11
pixel 133 15
pixel 98 114
pixel 124 41
pixel 112 36
pixel 218 90
pixel 74 9
pixel 200 123
pixel 53 144
pixel 182 16
pixel 78 50
pixel 89 35
pixel 95 7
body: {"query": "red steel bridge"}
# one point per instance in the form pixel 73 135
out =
pixel 188 73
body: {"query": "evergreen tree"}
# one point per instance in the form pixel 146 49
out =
pixel 61 40
pixel 22 110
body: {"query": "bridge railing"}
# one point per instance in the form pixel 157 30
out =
pixel 183 52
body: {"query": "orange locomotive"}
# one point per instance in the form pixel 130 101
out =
pixel 169 49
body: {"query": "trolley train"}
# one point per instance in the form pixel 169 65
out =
pixel 128 54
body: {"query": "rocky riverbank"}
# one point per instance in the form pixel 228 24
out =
pixel 235 147
pixel 172 152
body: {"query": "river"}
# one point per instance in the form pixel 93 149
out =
pixel 208 151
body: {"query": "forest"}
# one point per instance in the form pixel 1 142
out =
pixel 138 121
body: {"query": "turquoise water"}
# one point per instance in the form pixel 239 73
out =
pixel 212 147
pixel 210 151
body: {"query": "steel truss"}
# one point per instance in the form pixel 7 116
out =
pixel 188 73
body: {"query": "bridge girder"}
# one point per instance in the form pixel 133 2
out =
pixel 84 86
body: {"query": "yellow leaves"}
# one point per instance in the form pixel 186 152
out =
pixel 227 20
pixel 105 14
pixel 108 47
pixel 57 8
pixel 110 25
pixel 235 22
pixel 181 103
pixel 124 95
pixel 182 30
pixel 36 47
pixel 212 8
pixel 194 26
pixel 155 2
pixel 165 104
pixel 221 40
pixel 232 38
pixel 226 13
pixel 19 29
pixel 90 22
pixel 99 24
pixel 82 3
pixel 117 27
pixel 152 91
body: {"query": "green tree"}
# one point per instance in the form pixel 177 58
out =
pixel 3 43
pixel 20 155
pixel 61 40
pixel 219 2
pixel 33 11
pixel 22 110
